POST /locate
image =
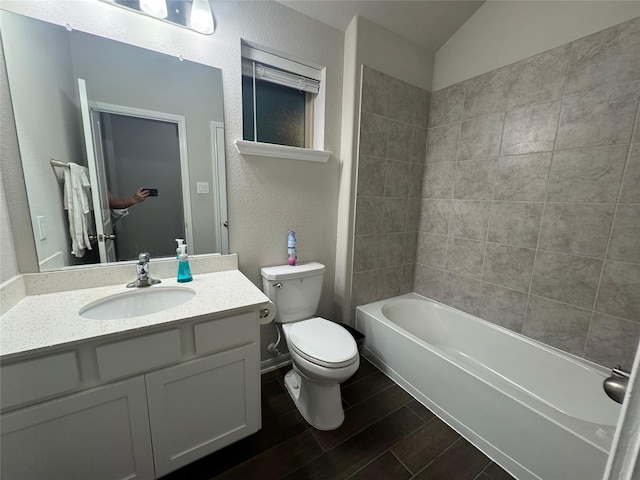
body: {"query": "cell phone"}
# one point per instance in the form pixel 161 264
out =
pixel 153 192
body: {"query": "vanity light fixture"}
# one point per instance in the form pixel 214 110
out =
pixel 155 8
pixel 201 17
pixel 195 15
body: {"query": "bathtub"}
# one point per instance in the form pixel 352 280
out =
pixel 538 412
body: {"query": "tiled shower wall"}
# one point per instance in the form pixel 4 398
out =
pixel 530 210
pixel 393 137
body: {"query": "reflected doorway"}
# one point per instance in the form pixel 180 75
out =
pixel 143 152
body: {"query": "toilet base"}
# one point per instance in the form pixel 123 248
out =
pixel 319 404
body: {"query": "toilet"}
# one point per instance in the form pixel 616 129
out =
pixel 323 353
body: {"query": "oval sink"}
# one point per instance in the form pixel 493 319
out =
pixel 136 303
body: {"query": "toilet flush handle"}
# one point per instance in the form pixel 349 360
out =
pixel 277 285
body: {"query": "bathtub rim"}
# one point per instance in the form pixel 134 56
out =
pixel 549 348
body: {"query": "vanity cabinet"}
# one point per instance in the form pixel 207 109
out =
pixel 135 414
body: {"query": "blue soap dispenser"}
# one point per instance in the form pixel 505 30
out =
pixel 184 271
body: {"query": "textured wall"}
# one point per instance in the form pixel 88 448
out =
pixel 390 166
pixel 530 215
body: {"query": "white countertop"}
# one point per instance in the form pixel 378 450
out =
pixel 48 320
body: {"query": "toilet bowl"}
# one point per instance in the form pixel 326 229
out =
pixel 323 353
pixel 314 382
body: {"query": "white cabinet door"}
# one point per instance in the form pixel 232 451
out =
pixel 200 406
pixel 97 434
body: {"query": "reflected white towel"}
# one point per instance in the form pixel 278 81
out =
pixel 118 213
pixel 76 202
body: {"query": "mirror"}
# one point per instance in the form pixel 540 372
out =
pixel 150 121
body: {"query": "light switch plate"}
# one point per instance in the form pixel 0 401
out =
pixel 42 227
pixel 202 187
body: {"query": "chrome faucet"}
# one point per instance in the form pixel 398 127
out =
pixel 616 385
pixel 144 279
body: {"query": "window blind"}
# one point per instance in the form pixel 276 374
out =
pixel 279 70
pixel 273 75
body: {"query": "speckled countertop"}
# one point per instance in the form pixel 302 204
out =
pixel 47 320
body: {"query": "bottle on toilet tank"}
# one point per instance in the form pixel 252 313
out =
pixel 291 248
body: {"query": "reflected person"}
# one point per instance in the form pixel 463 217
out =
pixel 138 197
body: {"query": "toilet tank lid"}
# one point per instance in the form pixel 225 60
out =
pixel 287 272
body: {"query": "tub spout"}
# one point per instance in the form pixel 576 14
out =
pixel 616 385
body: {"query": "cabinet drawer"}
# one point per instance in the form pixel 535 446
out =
pixel 128 357
pixel 225 333
pixel 37 379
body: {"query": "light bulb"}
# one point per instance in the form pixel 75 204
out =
pixel 201 17
pixel 155 8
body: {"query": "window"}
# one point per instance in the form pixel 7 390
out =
pixel 278 99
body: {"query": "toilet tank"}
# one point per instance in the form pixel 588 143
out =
pixel 295 291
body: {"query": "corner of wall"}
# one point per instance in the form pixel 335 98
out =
pixel 348 156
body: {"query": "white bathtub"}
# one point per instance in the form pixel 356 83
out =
pixel 538 412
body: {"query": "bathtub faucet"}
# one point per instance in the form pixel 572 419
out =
pixel 616 385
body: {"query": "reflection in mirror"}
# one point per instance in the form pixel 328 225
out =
pixel 130 119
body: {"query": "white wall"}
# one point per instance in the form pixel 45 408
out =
pixel 266 197
pixel 389 53
pixel 366 43
pixel 503 32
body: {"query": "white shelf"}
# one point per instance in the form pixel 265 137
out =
pixel 259 149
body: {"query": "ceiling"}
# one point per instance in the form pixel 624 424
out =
pixel 427 23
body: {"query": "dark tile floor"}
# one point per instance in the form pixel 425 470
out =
pixel 386 435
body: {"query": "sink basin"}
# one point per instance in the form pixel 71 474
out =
pixel 136 303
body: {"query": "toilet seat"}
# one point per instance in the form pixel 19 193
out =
pixel 322 342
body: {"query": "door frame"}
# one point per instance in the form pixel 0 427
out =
pixel 220 186
pixel 103 225
pixel 181 122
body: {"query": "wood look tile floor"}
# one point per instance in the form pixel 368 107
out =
pixel 386 435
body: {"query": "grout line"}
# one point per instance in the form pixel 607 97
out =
pixel 449 447
pixel 366 465
pixel 486 238
pixel 366 427
pixel 401 462
pixel 453 195
pixel 613 223
pixel 546 192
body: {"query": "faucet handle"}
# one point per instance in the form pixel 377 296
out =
pixel 143 258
